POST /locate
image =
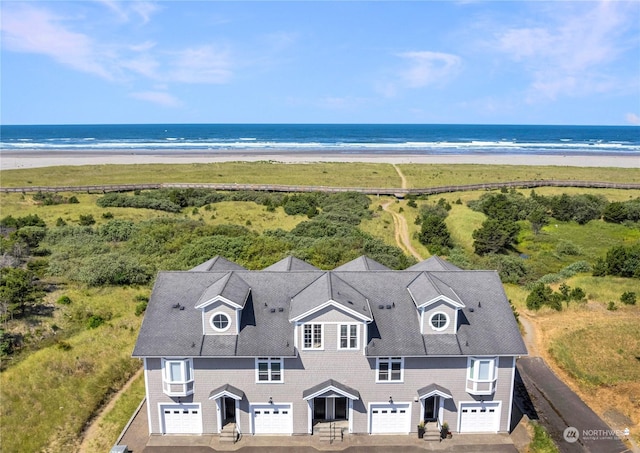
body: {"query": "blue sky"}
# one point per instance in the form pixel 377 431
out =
pixel 496 62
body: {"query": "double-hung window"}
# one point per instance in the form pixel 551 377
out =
pixel 269 369
pixel 348 336
pixel 390 369
pixel 312 336
pixel 481 375
pixel 177 376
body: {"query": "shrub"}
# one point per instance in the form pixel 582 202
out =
pixel 141 307
pixel 612 306
pixel 95 321
pixel 73 200
pixel 86 220
pixel 60 222
pixel 628 298
pixel 567 248
pixel 64 300
pixel 113 269
pixel 107 215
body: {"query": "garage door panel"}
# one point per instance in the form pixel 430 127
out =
pixel 480 417
pixel 181 419
pixel 390 418
pixel 272 419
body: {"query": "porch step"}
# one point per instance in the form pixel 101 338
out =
pixel 432 436
pixel 326 434
pixel 229 433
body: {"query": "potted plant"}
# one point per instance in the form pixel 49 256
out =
pixel 444 431
pixel 421 429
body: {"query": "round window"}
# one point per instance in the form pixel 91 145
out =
pixel 220 321
pixel 439 321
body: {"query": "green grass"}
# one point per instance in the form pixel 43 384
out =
pixel 445 175
pixel 55 390
pixel 325 174
pixel 541 442
pixel 320 174
pixel 116 419
pixel 602 353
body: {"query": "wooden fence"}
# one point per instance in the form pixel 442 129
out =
pixel 395 191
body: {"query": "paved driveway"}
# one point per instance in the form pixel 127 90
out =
pixel 558 408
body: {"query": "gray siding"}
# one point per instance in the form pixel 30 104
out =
pixel 350 368
pixel 439 307
pixel 218 307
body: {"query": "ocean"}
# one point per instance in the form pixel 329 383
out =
pixel 329 138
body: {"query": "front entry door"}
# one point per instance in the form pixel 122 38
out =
pixel 320 408
pixel 340 409
pixel 229 410
pixel 430 413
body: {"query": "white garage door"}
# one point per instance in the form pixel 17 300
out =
pixel 181 418
pixel 274 418
pixel 479 417
pixel 390 418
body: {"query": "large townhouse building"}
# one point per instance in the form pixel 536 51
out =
pixel 279 350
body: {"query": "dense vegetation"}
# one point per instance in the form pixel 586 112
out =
pixel 79 272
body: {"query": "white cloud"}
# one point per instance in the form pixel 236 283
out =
pixel 36 30
pixel 157 97
pixel 204 64
pixel 32 29
pixel 633 119
pixel 428 68
pixel 569 55
pixel 125 9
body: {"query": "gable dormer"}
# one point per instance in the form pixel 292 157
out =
pixel 437 304
pixel 222 303
pixel 330 298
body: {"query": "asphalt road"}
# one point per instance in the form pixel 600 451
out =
pixel 558 408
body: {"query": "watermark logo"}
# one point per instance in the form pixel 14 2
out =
pixel 571 434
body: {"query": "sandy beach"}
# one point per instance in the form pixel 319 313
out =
pixel 10 160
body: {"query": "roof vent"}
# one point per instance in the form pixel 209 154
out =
pixel 471 309
pixel 265 304
pixel 381 307
pixel 273 310
pixel 181 307
pixel 388 307
pixel 479 304
pixel 175 305
pixel 466 343
pixel 393 305
pixel 280 309
pixel 349 302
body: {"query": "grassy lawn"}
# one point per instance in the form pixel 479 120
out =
pixel 445 175
pixel 317 174
pixel 116 419
pixel 55 390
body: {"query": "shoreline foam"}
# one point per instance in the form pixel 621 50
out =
pixel 11 160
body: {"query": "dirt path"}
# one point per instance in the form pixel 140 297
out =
pixel 401 232
pixel 89 433
pixel 529 335
pixel 402 178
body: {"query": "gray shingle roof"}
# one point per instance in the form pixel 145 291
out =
pixel 226 390
pixel 329 287
pixel 231 286
pixel 364 263
pixel 435 263
pixel 427 287
pixel 434 389
pixel 290 263
pixel 218 263
pixel 173 327
pixel 331 386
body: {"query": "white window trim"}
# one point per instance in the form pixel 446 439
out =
pixel 473 381
pixel 322 329
pixel 446 324
pixel 217 329
pixel 390 360
pixel 185 365
pixel 348 348
pixel 270 360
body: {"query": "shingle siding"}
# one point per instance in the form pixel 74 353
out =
pixel 350 368
pixel 269 327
